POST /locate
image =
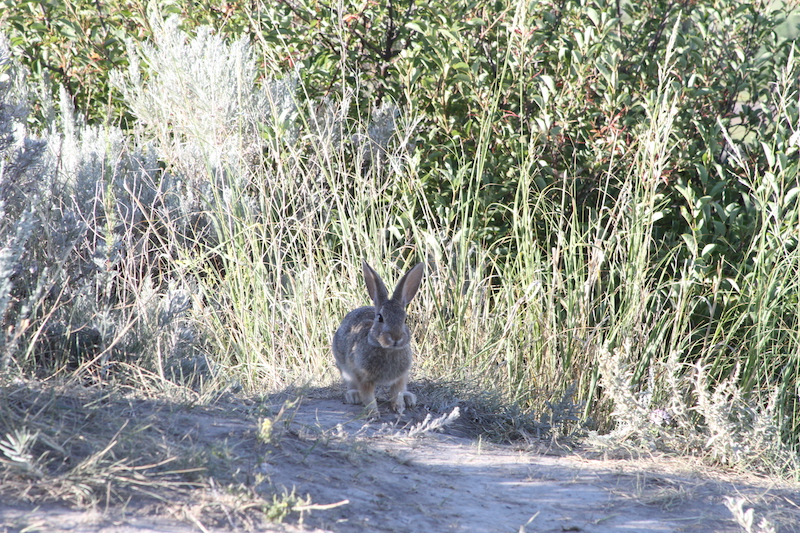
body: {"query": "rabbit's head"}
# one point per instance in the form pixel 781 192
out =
pixel 389 328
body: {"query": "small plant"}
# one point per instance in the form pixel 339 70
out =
pixel 745 518
pixel 432 424
pixel 564 417
pixel 285 504
pixel 270 430
pixel 16 447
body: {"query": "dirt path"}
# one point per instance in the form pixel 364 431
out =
pixel 392 475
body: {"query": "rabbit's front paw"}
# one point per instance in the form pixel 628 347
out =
pixel 352 396
pixel 402 400
pixel 398 405
pixel 409 398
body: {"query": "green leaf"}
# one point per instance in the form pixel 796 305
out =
pixel 593 16
pixel 769 154
pixel 691 243
pixel 413 26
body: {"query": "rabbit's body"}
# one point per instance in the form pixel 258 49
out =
pixel 372 345
pixel 383 366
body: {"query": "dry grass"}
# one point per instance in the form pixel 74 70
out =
pixel 93 447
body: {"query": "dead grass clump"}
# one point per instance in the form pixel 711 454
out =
pixel 84 447
pixel 719 424
pixel 485 413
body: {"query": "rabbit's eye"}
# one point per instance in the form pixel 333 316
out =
pixel 380 317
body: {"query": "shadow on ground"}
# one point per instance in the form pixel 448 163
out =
pixel 147 464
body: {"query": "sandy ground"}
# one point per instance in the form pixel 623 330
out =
pixel 397 474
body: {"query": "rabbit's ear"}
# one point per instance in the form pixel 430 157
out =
pixel 375 287
pixel 409 284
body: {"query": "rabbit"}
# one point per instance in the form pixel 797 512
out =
pixel 372 344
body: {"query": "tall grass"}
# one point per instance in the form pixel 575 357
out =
pixel 254 233
pixel 590 312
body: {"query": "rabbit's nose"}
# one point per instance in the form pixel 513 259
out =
pixel 394 340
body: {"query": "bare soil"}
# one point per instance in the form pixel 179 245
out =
pixel 344 473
